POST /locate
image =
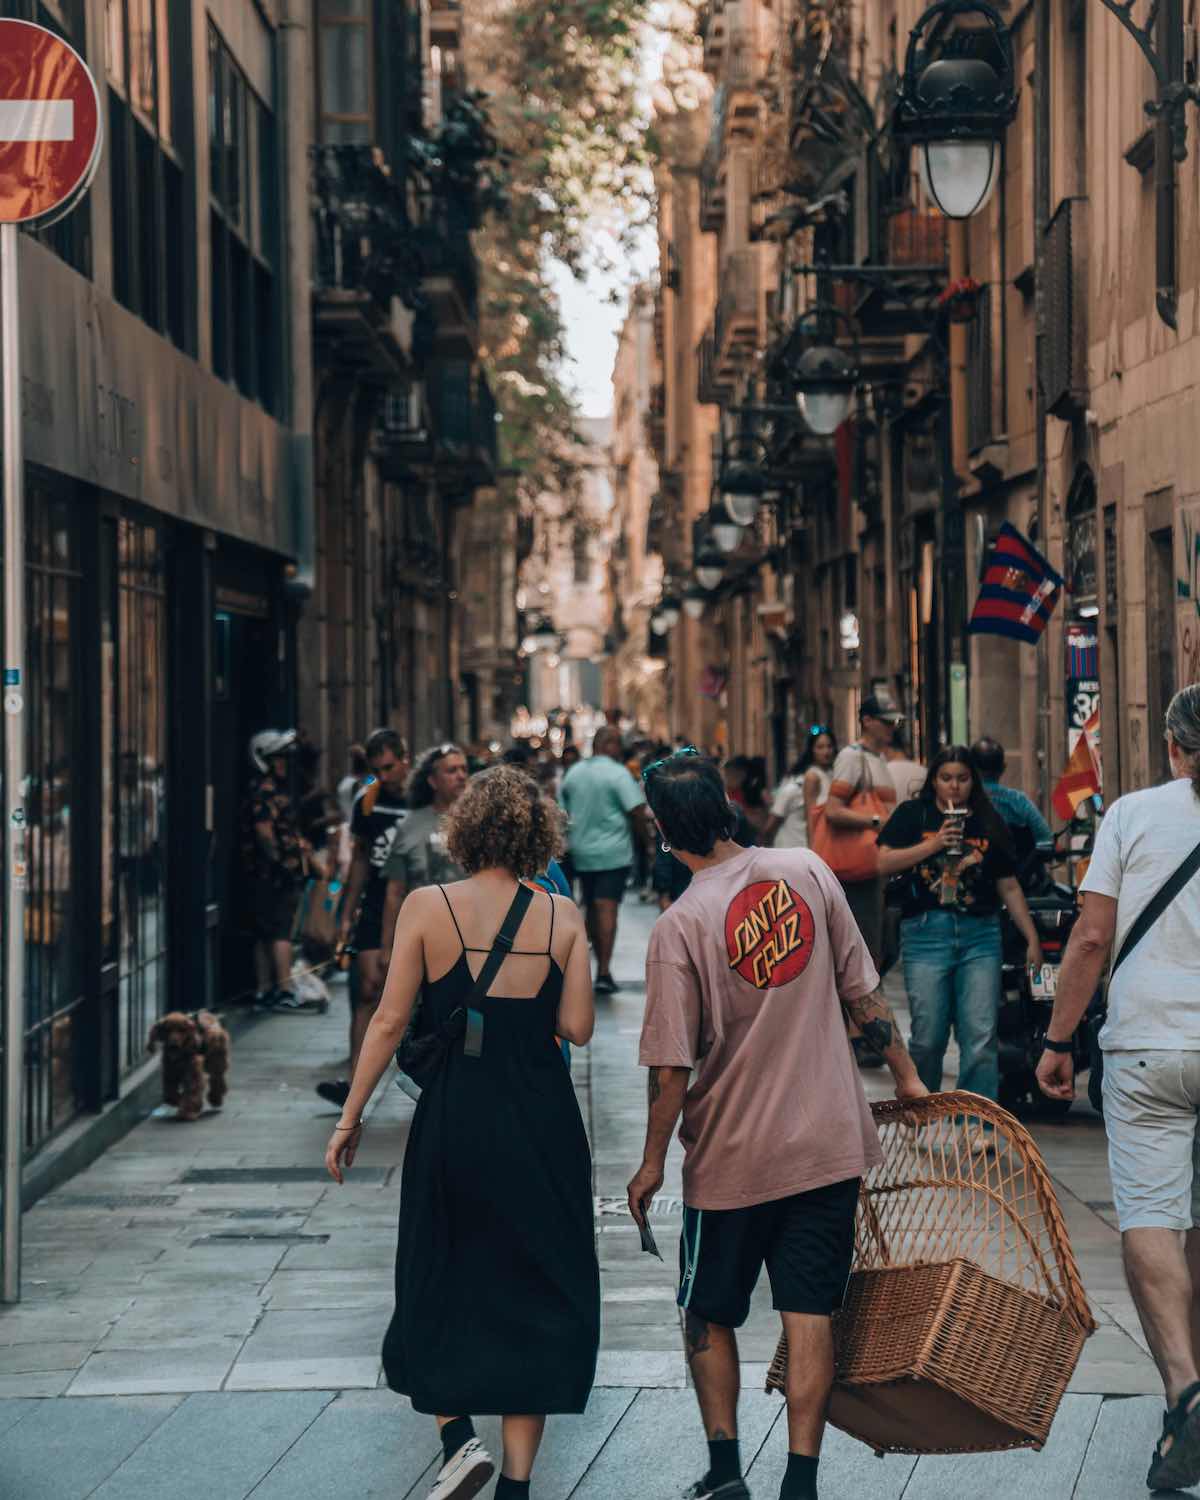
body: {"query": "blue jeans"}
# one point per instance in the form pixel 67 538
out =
pixel 952 974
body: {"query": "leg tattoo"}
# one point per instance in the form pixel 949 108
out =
pixel 696 1335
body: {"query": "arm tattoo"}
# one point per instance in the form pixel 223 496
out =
pixel 873 1017
pixel 654 1086
pixel 695 1335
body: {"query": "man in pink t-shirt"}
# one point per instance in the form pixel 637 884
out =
pixel 749 979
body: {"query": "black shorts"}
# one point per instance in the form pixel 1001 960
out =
pixel 806 1243
pixel 603 885
pixel 273 910
pixel 368 930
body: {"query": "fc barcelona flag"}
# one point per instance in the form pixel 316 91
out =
pixel 1019 592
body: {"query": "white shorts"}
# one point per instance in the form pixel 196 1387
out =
pixel 1151 1111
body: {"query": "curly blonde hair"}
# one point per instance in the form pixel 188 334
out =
pixel 503 820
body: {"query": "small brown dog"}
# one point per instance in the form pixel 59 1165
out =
pixel 193 1046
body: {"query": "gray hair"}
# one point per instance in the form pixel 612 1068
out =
pixel 1183 725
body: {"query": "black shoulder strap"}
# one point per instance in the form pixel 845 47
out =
pixel 502 946
pixel 1155 907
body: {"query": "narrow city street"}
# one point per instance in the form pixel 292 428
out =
pixel 203 1310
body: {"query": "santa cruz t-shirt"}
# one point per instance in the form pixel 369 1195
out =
pixel 744 978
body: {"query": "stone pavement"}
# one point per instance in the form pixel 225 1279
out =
pixel 203 1310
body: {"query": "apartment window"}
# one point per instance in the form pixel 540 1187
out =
pixel 153 252
pixel 243 179
pixel 344 81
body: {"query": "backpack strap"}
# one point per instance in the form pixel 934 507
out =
pixel 501 948
pixel 1155 907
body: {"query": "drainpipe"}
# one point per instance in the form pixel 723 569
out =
pixel 295 107
pixel 1041 219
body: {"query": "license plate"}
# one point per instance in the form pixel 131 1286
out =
pixel 1043 982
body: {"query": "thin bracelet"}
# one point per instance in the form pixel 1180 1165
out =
pixel 356 1126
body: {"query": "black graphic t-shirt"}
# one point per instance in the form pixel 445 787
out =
pixel 982 864
pixel 375 818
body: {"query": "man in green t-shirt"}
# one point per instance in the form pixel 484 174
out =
pixel 607 812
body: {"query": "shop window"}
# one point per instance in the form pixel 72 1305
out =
pixel 54 780
pixel 153 253
pixel 244 232
pixel 141 784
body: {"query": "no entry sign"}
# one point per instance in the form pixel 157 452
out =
pixel 49 124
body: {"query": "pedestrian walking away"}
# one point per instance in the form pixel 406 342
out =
pixel 605 805
pixel 802 793
pixel 1024 822
pixel 420 855
pixel 274 864
pixel 1141 895
pixel 747 978
pixel 497 1284
pixel 951 867
pixel 908 775
pixel 376 813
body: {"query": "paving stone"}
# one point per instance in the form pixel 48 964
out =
pixel 216 1447
pixel 156 1319
pixel 191 1365
pixel 641 1368
pixel 997 1476
pixel 298 1290
pixel 374 1436
pixel 48 1383
pixel 1119 1453
pixel 11 1412
pixel 23 1359
pixel 847 1467
pixel 61 1450
pixel 659 1439
pixel 83 1320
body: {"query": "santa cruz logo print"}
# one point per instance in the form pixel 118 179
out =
pixel 769 934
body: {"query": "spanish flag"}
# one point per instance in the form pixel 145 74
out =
pixel 1081 779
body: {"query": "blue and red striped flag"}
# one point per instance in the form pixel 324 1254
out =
pixel 1019 591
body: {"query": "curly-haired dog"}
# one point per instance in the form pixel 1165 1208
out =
pixel 193 1046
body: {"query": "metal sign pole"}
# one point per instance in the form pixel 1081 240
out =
pixel 14 760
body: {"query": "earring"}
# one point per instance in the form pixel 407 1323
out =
pixel 665 847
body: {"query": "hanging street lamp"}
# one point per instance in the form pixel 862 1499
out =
pixel 724 530
pixel 669 610
pixel 955 101
pixel 742 484
pixel 822 373
pixel 542 636
pixel 695 599
pixel 710 566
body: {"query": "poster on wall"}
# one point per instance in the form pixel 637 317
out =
pixel 1083 678
pixel 1187 594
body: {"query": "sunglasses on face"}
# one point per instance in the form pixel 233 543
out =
pixel 675 755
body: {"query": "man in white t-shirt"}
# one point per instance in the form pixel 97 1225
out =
pixel 1151 1046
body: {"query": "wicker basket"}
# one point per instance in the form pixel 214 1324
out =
pixel 965 1315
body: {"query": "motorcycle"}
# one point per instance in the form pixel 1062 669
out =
pixel 1027 1000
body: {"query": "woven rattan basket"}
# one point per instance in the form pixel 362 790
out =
pixel 965 1315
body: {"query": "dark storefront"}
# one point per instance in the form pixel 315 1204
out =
pixel 158 510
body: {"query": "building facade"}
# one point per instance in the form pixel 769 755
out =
pixel 255 426
pixel 1035 364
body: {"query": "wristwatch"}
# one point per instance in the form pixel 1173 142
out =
pixel 1053 1046
pixel 876 822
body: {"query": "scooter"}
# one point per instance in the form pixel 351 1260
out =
pixel 1027 999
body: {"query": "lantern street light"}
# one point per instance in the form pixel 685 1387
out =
pixel 742 485
pixel 723 529
pixel 669 610
pixel 541 636
pixel 695 599
pixel 955 101
pixel 710 566
pixel 823 374
pixel 658 623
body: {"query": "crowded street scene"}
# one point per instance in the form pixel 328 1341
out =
pixel 600 762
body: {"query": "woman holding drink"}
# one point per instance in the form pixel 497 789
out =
pixel 952 850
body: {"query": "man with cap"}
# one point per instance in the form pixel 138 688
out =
pixel 860 766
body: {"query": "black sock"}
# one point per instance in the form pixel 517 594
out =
pixel 800 1481
pixel 457 1431
pixel 511 1489
pixel 724 1461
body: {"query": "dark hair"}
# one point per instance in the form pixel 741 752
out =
pixel 358 760
pixel 418 792
pixel 808 756
pixel 686 794
pixel 977 799
pixel 380 740
pixel 517 755
pixel 572 750
pixel 987 756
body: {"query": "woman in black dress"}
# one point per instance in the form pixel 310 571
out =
pixel 497 1285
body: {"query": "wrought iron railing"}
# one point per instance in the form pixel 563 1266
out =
pixel 445 249
pixel 1064 368
pixel 980 393
pixel 738 302
pixel 463 411
pixel 362 240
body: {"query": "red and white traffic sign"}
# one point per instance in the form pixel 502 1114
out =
pixel 50 129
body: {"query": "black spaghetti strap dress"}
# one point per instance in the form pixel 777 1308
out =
pixel 497 1283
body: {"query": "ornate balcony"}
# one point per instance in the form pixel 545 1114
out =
pixel 402 441
pixel 710 390
pixel 449 277
pixel 464 424
pixel 712 190
pixel 365 261
pixel 736 325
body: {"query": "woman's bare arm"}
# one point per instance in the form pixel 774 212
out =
pixel 576 1008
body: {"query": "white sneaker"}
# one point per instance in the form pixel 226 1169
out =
pixel 465 1473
